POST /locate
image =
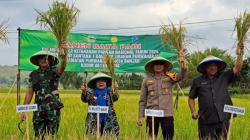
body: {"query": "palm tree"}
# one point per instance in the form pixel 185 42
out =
pixel 59 19
pixel 3 32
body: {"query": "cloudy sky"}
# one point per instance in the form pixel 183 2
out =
pixel 209 23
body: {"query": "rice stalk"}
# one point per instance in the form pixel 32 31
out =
pixel 109 61
pixel 242 25
pixel 173 36
pixel 59 19
pixel 3 32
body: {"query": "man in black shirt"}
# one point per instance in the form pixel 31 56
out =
pixel 211 88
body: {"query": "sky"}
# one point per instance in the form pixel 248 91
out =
pixel 208 23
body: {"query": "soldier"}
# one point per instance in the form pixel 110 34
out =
pixel 44 83
pixel 156 93
pixel 99 93
pixel 211 89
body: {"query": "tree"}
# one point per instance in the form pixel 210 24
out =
pixel 129 81
pixel 71 80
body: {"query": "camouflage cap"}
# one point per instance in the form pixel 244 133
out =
pixel 92 82
pixel 53 60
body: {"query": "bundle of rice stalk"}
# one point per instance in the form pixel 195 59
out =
pixel 110 64
pixel 174 36
pixel 59 19
pixel 242 25
pixel 3 32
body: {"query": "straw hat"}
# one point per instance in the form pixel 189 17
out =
pixel 92 82
pixel 53 60
pixel 149 65
pixel 221 64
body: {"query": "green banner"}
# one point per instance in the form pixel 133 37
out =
pixel 86 50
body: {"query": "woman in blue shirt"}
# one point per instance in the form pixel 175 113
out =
pixel 99 93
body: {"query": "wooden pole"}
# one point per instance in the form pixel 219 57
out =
pixel 18 71
pixel 27 127
pixel 18 87
pixel 98 126
pixel 230 126
pixel 153 128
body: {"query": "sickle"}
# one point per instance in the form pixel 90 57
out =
pixel 86 74
pixel 19 127
pixel 85 79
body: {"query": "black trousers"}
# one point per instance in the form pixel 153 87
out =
pixel 216 131
pixel 167 126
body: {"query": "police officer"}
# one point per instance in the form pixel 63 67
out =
pixel 211 89
pixel 44 83
pixel 156 93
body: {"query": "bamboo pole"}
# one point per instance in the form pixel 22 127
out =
pixel 98 126
pixel 230 126
pixel 153 128
pixel 27 128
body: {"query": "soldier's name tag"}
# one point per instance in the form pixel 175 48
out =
pixel 234 110
pixel 98 109
pixel 26 108
pixel 154 113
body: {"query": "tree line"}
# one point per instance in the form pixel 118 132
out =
pixel 132 81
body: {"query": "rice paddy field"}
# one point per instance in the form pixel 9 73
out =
pixel 74 113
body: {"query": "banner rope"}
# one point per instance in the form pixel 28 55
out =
pixel 4 100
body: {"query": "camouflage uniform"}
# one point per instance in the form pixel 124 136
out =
pixel 45 85
pixel 111 125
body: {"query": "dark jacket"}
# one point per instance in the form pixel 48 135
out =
pixel 212 96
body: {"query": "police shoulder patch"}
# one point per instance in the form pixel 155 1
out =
pixel 172 75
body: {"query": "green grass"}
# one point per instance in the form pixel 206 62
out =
pixel 74 113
